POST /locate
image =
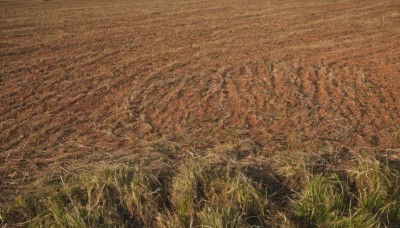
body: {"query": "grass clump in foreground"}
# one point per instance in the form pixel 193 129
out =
pixel 217 195
pixel 322 199
pixel 362 192
pixel 365 192
pixel 197 193
pixel 118 195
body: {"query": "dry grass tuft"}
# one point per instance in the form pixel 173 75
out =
pixel 359 191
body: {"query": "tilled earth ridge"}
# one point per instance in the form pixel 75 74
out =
pixel 270 99
pixel 84 82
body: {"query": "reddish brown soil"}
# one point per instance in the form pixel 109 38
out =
pixel 87 81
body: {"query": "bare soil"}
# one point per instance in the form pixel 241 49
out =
pixel 88 82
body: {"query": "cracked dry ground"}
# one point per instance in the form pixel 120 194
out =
pixel 91 82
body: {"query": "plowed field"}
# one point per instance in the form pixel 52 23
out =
pixel 87 82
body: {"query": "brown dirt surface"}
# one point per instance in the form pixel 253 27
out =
pixel 87 82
